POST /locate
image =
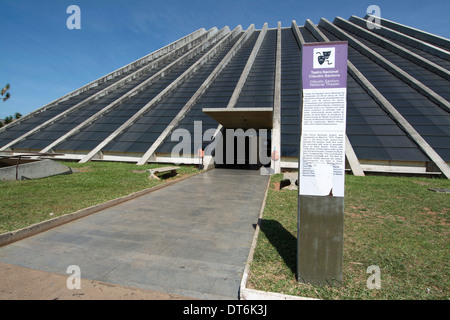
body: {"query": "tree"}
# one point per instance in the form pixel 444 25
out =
pixel 8 119
pixel 5 92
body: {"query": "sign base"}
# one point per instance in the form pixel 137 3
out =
pixel 320 240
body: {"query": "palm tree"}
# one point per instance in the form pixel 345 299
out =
pixel 5 93
pixel 17 115
pixel 6 88
pixel 8 119
pixel 7 96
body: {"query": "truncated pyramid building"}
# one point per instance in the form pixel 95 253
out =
pixel 397 111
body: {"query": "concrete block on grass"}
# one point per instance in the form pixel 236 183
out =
pixel 33 170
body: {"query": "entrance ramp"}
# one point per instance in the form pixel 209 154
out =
pixel 191 238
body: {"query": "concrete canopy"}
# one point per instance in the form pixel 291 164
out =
pixel 242 118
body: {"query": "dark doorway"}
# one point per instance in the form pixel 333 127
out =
pixel 248 149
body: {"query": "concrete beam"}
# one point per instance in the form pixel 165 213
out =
pixel 352 159
pixel 350 154
pixel 389 66
pixel 150 57
pixel 200 91
pixel 162 95
pixel 397 169
pixel 276 121
pixel 311 27
pixel 360 27
pixel 413 32
pixel 114 86
pixel 247 68
pixel 297 34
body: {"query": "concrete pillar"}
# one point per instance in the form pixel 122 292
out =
pixel 320 237
pixel 276 125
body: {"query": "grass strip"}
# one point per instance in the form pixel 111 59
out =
pixel 395 223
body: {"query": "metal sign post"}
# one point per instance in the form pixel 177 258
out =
pixel 322 163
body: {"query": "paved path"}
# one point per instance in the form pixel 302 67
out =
pixel 191 239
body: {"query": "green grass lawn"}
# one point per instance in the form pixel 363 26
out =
pixel 395 223
pixel 23 203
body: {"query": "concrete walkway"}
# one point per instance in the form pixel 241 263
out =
pixel 190 239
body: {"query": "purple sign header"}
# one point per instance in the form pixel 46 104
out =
pixel 324 65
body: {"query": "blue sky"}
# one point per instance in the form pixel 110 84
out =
pixel 43 60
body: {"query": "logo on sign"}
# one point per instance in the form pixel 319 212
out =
pixel 324 58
